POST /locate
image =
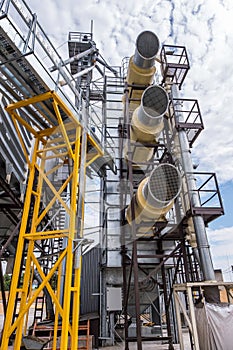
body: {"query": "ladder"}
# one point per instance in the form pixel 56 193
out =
pixel 39 308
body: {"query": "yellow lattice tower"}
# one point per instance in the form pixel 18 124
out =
pixel 57 135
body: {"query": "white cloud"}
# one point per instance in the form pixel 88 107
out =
pixel 203 27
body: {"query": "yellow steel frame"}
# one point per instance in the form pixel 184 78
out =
pixel 62 140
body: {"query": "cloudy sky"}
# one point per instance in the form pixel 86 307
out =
pixel 204 27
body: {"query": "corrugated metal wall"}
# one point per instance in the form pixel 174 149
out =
pixel 90 281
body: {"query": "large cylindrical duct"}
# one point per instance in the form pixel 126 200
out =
pixel 141 67
pixel 147 46
pixel 147 119
pixel 155 197
pixel 147 123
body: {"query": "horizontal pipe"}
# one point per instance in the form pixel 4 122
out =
pixel 79 74
pixel 155 196
pixel 74 58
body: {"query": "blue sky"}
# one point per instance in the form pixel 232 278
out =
pixel 227 194
pixel 204 27
pixel 220 234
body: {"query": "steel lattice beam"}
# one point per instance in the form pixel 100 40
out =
pixel 64 142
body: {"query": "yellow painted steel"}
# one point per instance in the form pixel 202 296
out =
pixel 55 330
pixel 62 139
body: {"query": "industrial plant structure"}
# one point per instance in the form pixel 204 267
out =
pixel 103 216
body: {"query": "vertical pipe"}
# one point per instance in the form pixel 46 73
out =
pixel 168 322
pixel 125 308
pixel 104 306
pixel 102 300
pixel 133 230
pixel 137 297
pixel 202 240
pixel 122 238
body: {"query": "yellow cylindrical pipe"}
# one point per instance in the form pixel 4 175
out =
pixel 141 69
pixel 155 196
pixel 147 119
pixel 147 123
pixel 138 76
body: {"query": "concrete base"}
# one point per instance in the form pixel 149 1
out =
pixel 152 345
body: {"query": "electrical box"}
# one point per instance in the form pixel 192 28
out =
pixel 114 299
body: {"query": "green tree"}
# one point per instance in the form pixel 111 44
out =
pixel 7 281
